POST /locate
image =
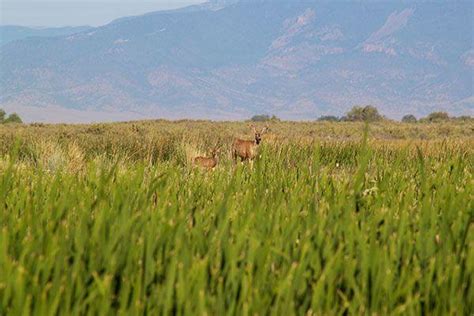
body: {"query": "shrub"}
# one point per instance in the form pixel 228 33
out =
pixel 329 118
pixel 13 118
pixel 367 114
pixel 409 119
pixel 437 117
pixel 264 118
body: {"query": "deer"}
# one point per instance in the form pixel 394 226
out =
pixel 208 162
pixel 247 149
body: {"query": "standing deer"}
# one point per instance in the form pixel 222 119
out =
pixel 247 149
pixel 208 162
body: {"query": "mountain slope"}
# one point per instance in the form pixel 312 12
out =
pixel 10 33
pixel 231 59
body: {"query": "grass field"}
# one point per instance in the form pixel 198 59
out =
pixel 329 220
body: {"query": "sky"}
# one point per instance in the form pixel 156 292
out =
pixel 75 12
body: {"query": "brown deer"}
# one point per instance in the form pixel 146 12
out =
pixel 208 162
pixel 247 149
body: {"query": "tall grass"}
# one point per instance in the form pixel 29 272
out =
pixel 311 227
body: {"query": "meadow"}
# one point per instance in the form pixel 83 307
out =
pixel 330 219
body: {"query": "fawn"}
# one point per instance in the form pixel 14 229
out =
pixel 208 162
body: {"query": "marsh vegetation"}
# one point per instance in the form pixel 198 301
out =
pixel 113 218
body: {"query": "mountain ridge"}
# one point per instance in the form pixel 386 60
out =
pixel 296 60
pixel 9 33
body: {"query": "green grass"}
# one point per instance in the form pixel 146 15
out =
pixel 314 226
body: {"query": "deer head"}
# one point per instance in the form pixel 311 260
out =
pixel 258 134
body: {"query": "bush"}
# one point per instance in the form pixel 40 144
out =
pixel 329 118
pixel 409 119
pixel 437 117
pixel 2 115
pixel 264 118
pixel 367 114
pixel 13 118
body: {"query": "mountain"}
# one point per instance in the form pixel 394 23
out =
pixel 10 33
pixel 233 59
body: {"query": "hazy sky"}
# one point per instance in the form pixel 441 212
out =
pixel 78 12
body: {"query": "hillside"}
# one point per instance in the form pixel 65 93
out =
pixel 10 33
pixel 232 59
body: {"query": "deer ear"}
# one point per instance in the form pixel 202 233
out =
pixel 253 128
pixel 264 130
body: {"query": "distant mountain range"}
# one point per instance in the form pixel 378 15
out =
pixel 233 59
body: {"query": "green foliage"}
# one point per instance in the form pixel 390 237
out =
pixel 13 118
pixel 437 117
pixel 409 119
pixel 110 219
pixel 328 118
pixel 264 118
pixel 363 113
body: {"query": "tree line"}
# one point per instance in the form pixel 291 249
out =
pixel 366 113
pixel 12 118
pixel 370 113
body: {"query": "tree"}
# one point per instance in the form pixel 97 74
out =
pixel 13 118
pixel 329 118
pixel 409 119
pixel 2 115
pixel 437 117
pixel 264 118
pixel 367 113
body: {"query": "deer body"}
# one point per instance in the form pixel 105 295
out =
pixel 244 149
pixel 207 162
pixel 247 149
